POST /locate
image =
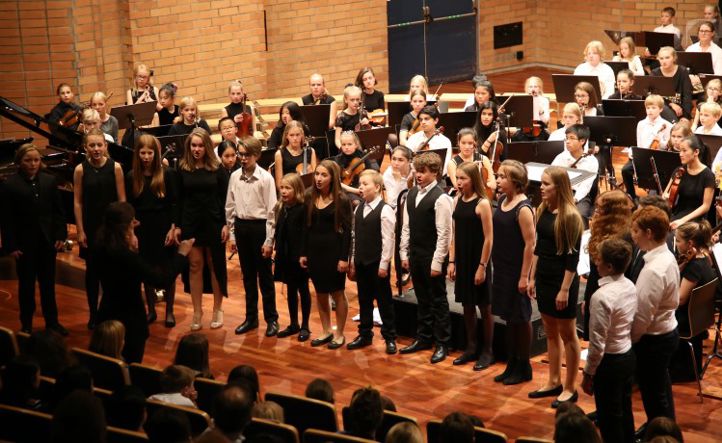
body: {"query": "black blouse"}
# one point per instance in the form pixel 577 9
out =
pixel 683 87
pixel 374 101
pixel 690 193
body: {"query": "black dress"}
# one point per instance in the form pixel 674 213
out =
pixel 550 270
pixel 135 94
pixel 374 101
pixel 289 232
pixel 99 191
pixel 507 254
pixel 683 87
pixel 233 109
pixel 166 118
pixel 348 122
pixel 323 100
pixel 290 162
pixel 325 247
pixel 468 244
pixel 183 129
pixel 690 193
pixel 201 200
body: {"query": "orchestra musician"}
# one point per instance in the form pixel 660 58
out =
pixel 189 120
pixel 90 119
pixel 712 14
pixel 290 156
pixel 373 99
pixel 483 92
pixel 419 83
pixel 679 132
pixel 586 97
pixel 65 105
pixel 237 109
pixel 169 111
pixel 625 81
pixel 706 34
pixel 353 116
pixel 709 115
pixel 712 94
pixel 289 111
pixel 229 132
pixel 486 127
pixel 681 104
pixel 108 123
pixel 143 90
pixel 534 86
pixel 695 190
pixel 410 122
pixel 573 157
pixel 350 150
pixel 593 65
pixel 571 115
pixel 319 96
pixel 468 152
pixel 627 54
pixel 429 136
pixel 666 25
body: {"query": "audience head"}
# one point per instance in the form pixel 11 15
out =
pixel 79 417
pixel 127 408
pixel 387 404
pixel 320 389
pixel 178 379
pixel 568 407
pixel 663 426
pixel 457 427
pixel 269 410
pixel 405 432
pixel 116 230
pixel 366 412
pixel 657 201
pixel 572 427
pixel 193 352
pixel 108 339
pixel 232 411
pixel 20 382
pixel 70 379
pixel 248 376
pixel 168 425
pixel 51 352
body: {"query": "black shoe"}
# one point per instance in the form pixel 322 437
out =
pixel 390 347
pixel 416 346
pixel 272 329
pixel 573 399
pixel 510 365
pixel 289 331
pixel 484 361
pixel 57 327
pixel 304 335
pixel 170 320
pixel 464 358
pixel 320 341
pixel 521 374
pixel 548 393
pixel 336 343
pixel 359 342
pixel 151 317
pixel 439 354
pixel 246 326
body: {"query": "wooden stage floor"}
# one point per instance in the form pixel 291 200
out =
pixel 418 388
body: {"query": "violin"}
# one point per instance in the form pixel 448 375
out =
pixel 71 118
pixel 673 185
pixel 244 126
pixel 496 150
pixel 356 166
pixel 415 126
pixel 655 143
pixel 490 193
pixel 425 145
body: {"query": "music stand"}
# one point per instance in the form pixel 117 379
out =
pixel 268 156
pixel 535 171
pixel 441 152
pixel 564 86
pixel 705 78
pixel 519 110
pixel 133 116
pixel 453 122
pixel 616 67
pixel 654 40
pixel 612 131
pixel 713 143
pixel 172 146
pixel 375 136
pixel 397 111
pixel 666 161
pixel 535 151
pixel 121 154
pixel 316 118
pixel 157 131
pixel 652 84
pixel 622 108
pixel 696 62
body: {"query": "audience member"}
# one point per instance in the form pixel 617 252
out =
pixel 192 352
pixel 661 427
pixel 108 339
pixel 20 382
pixel 232 412
pixel 126 408
pixel 168 426
pixel 320 389
pixel 177 385
pixel 70 379
pixel 574 428
pixel 51 352
pixel 365 412
pixel 250 376
pixel 457 427
pixel 269 410
pixel 80 417
pixel 406 432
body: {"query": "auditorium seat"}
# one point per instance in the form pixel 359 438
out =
pixel 199 420
pixel 319 436
pixel 207 391
pixel 22 339
pixel 23 425
pixel 147 378
pixel 8 346
pixel 284 433
pixel 389 420
pixel 533 440
pixel 481 435
pixel 118 435
pixel 108 373
pixel 305 413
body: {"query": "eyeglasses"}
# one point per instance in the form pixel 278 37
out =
pixel 705 31
pixel 243 154
pixel 571 139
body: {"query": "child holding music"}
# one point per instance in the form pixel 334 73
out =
pixel 469 262
pixel 294 154
pixel 468 152
pixel 290 219
pixel 627 54
pixel 371 253
pixel 430 137
pixel 143 90
pixel 410 122
pixel 249 209
pixel 352 117
pixel 108 123
pixel 169 111
pixel 424 249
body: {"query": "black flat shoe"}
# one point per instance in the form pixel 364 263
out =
pixel 335 343
pixel 463 359
pixel 391 347
pixel 416 346
pixel 289 331
pixel 439 354
pixel 484 361
pixel 320 341
pixel 272 329
pixel 304 335
pixel 57 327
pixel 245 327
pixel 572 399
pixel 358 343
pixel 170 321
pixel 548 393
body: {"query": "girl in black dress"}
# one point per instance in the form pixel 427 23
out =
pixel 468 152
pixel 202 196
pixel 469 256
pixel 236 108
pixel 325 249
pixel 289 111
pixel 188 120
pixel 353 116
pixel 97 182
pixel 555 283
pixel 169 111
pixel 289 158
pixel 488 131
pixel 228 153
pixel 123 270
pixel 512 256
pixel 410 123
pixel 151 189
pixel 483 92
pixel 696 188
pixel 65 104
pixel 681 105
pixel 142 91
pixel 287 242
pixel 373 99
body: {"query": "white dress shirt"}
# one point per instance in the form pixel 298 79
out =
pixel 561 135
pixel 443 211
pixel 388 224
pixel 438 142
pixel 611 313
pixel 716 130
pixel 176 399
pixel 588 163
pixel 713 49
pixel 657 294
pixel 393 186
pixel 252 198
pixel 635 64
pixel 647 130
pixel 605 74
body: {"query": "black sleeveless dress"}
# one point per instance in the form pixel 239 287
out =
pixel 468 244
pixel 99 191
pixel 290 161
pixel 325 247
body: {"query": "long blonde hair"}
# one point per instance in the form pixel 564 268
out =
pixel 293 180
pixel 471 170
pixel 568 226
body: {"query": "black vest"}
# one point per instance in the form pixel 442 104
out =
pixel 367 232
pixel 422 223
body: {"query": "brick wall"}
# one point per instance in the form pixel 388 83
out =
pixel 203 44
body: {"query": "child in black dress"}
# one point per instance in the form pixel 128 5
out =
pixel 410 124
pixel 237 107
pixel 469 261
pixel 353 117
pixel 351 150
pixel 373 246
pixel 168 109
pixel 289 111
pixel 188 120
pixel 289 229
pixel 228 153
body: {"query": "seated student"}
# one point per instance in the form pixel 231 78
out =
pixel 319 96
pixel 108 339
pixel 468 152
pixel 65 104
pixel 489 131
pixel 574 157
pixel 397 176
pixel 609 370
pixel 679 106
pixel 20 383
pixel 189 119
pixel 627 54
pixel 290 155
pixel 593 65
pixel 366 413
pixel 483 92
pixel 457 427
pixel 353 117
pixel 237 109
pixel 373 99
pixel 571 115
pixel 586 97
pixel 475 80
pixel 410 122
pixel 227 128
pixel 534 86
pixel 625 81
pixel 72 378
pixel 90 119
pixel 706 34
pixel 168 109
pixel 320 389
pixel 695 192
pixel 192 352
pixel 666 25
pixel 268 410
pixel 108 123
pixel 712 94
pixel 289 111
pixel 176 382
pixel 143 90
pixel 350 150
pixel 419 83
pixel 709 115
pixel 428 138
pixel 679 132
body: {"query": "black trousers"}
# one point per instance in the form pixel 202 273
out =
pixel 434 322
pixel 654 353
pixel 134 348
pixel 250 235
pixel 370 287
pixel 613 397
pixel 37 264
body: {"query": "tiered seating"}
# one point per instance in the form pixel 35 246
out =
pixel 8 346
pixel 319 436
pixel 118 435
pixel 285 433
pixel 305 413
pixel 207 390
pixel 199 420
pixel 481 435
pixel 147 378
pixel 389 420
pixel 108 373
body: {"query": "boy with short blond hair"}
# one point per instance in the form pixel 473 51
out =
pixel 709 115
